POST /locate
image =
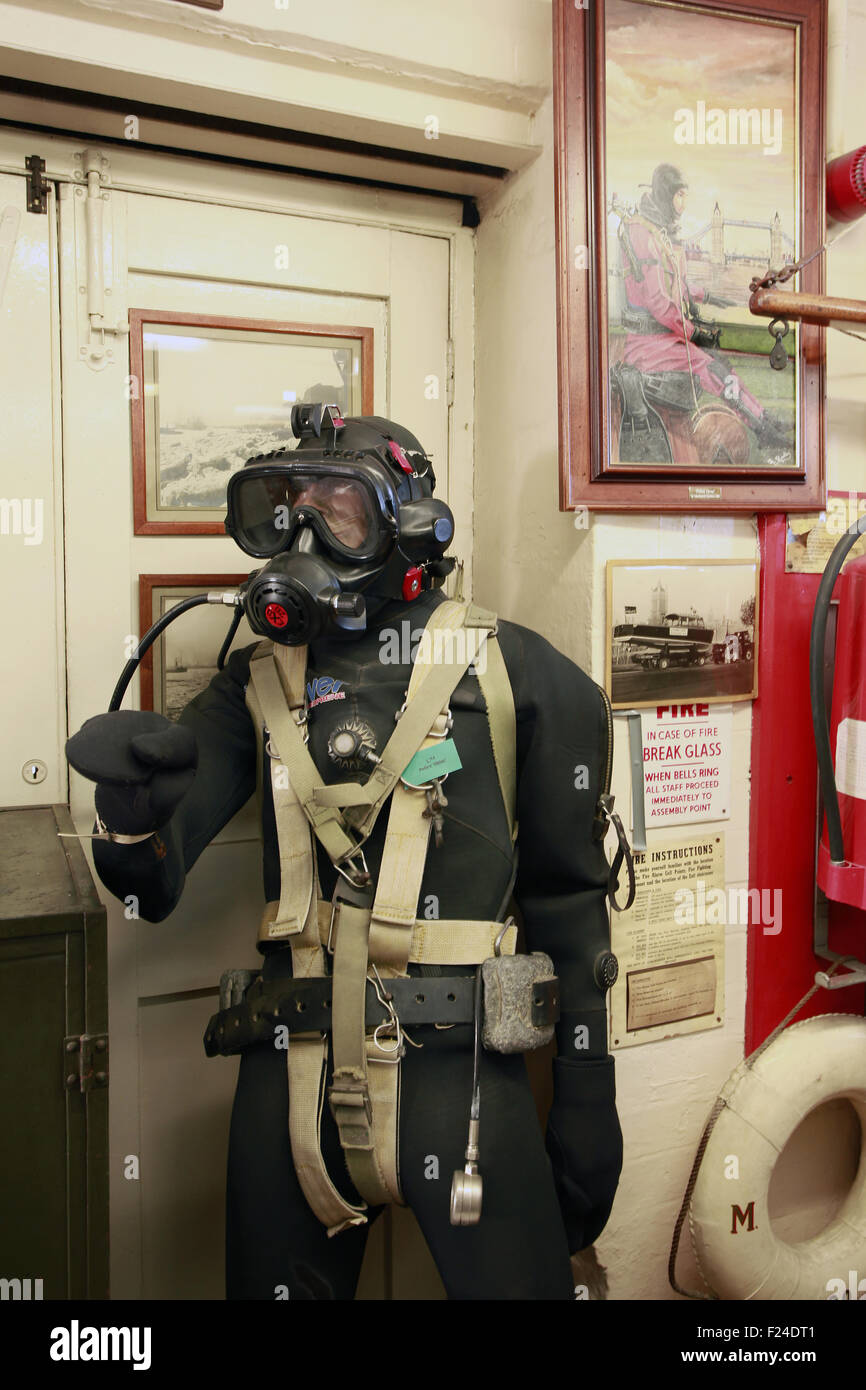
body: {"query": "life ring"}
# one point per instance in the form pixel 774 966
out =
pixel 737 1251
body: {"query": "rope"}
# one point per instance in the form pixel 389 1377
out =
pixel 718 1107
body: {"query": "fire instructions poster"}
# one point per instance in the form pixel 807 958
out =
pixel 671 958
pixel 686 763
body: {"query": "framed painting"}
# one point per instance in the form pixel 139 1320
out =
pixel 183 660
pixel 681 631
pixel 689 162
pixel 206 394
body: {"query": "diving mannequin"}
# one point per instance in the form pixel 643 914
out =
pixel 545 1197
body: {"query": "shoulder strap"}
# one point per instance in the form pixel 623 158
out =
pixel 502 722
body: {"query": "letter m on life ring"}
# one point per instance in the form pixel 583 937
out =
pixel 746 1218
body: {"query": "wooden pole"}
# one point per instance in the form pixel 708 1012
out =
pixel 807 308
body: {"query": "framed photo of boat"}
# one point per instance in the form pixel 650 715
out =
pixel 689 162
pixel 207 393
pixel 681 632
pixel 183 660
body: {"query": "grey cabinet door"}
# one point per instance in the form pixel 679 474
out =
pixel 53 1063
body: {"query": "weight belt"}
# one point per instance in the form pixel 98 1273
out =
pixel 372 937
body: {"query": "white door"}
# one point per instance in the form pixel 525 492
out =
pixel 177 238
pixel 33 727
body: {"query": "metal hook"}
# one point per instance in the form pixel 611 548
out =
pixel 497 945
pixel 778 329
pixel 392 1021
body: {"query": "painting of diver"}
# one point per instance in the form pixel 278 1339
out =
pixel 701 166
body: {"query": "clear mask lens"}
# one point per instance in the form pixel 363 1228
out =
pixel 263 508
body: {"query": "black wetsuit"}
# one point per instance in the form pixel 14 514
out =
pixel 539 1203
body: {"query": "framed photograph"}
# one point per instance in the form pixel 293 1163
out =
pixel 207 394
pixel 183 659
pixel 681 632
pixel 689 161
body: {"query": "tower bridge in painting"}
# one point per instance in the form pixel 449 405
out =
pixel 781 246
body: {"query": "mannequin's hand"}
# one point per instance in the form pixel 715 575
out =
pixel 584 1143
pixel 142 764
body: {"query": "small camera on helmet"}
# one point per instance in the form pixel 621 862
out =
pixel 308 421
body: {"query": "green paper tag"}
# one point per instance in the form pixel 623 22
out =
pixel 432 762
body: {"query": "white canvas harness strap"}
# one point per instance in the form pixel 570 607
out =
pixel 382 938
pixel 297 861
pixel 439 941
pixel 307 1060
pixel 366 1121
pixel 448 644
pixel 365 1094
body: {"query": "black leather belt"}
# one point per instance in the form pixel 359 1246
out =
pixel 304 1006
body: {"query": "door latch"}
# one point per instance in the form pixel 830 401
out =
pixel 37 187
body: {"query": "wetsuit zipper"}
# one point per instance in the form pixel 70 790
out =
pixel 609 716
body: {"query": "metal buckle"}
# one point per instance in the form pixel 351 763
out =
pixel 353 1094
pixel 449 719
pixel 328 947
pixel 363 873
pixel 449 725
pixel 300 722
pixel 363 897
pixel 424 786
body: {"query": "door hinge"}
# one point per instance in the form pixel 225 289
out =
pixel 449 372
pixel 85 1062
pixel 37 186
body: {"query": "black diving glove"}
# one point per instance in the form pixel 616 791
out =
pixel 705 337
pixel 584 1143
pixel 142 764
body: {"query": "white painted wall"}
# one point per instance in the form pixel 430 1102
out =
pixel 535 568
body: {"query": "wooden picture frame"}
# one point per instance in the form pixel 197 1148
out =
pixel 651 660
pixel 220 447
pixel 716 462
pixel 157 660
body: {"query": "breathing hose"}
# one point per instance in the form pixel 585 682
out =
pixel 159 626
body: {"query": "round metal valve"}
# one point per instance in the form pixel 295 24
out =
pixel 606 970
pixel 466 1196
pixel 351 744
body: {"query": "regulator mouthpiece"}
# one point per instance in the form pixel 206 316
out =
pixel 296 599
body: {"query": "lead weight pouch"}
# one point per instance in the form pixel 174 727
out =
pixel 520 1002
pixel 373 932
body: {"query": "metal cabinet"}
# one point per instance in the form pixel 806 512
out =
pixel 53 1063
